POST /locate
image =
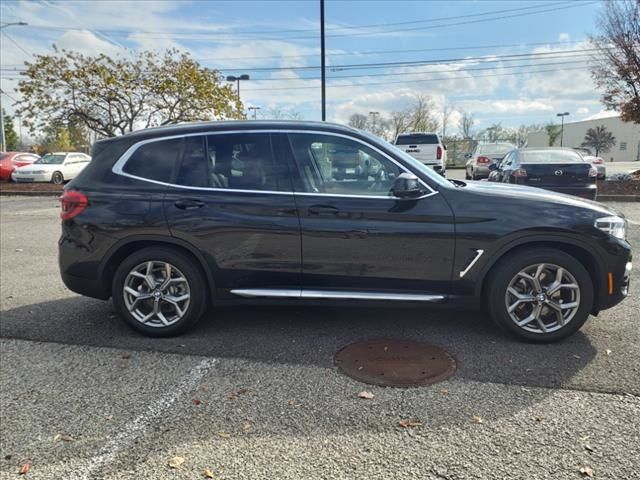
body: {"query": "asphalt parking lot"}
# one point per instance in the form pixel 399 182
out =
pixel 252 393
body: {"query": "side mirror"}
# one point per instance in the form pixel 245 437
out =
pixel 493 166
pixel 407 186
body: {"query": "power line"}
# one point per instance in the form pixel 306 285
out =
pixel 416 81
pixel 14 42
pixel 233 36
pixel 5 93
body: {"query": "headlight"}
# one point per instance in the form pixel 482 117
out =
pixel 614 226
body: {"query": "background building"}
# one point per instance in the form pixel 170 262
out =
pixel 626 149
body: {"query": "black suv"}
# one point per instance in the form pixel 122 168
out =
pixel 171 220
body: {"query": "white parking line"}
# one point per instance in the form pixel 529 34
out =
pixel 633 222
pixel 138 427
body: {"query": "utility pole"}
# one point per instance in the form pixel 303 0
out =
pixel 562 115
pixel 323 80
pixel 373 121
pixel 2 135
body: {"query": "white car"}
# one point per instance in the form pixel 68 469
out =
pixel 56 168
pixel 425 147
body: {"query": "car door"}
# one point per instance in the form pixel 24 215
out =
pixel 231 198
pixel 70 167
pixel 357 239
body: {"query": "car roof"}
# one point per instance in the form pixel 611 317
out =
pixel 546 149
pixel 417 133
pixel 198 127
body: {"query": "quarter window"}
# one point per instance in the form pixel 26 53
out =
pixel 155 160
pixel 341 166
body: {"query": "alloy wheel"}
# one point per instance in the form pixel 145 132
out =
pixel 156 293
pixel 542 298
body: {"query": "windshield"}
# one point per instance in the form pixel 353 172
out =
pixel 495 149
pixel 51 159
pixel 408 159
pixel 550 156
pixel 417 139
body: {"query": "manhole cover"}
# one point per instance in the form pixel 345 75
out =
pixel 395 363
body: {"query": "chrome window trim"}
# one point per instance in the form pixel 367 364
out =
pixel 121 162
pixel 333 294
pixel 479 253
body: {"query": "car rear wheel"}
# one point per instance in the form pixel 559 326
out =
pixel 159 292
pixel 542 295
pixel 466 175
pixel 57 178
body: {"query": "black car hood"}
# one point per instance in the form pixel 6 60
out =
pixel 522 192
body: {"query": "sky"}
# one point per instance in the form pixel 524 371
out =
pixel 513 62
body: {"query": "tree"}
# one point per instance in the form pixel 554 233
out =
pixel 465 124
pixel 112 96
pixel 599 139
pixel 553 133
pixel 359 121
pixel 11 139
pixel 279 114
pixel 617 66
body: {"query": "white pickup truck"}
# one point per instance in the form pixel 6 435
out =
pixel 425 147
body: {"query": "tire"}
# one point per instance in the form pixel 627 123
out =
pixel 578 289
pixel 466 175
pixel 175 316
pixel 57 178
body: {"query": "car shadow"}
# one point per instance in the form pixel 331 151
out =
pixel 311 336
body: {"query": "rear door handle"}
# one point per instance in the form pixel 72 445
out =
pixel 188 204
pixel 323 210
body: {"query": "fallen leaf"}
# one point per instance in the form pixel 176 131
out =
pixel 175 462
pixel 586 471
pixel 207 473
pixel 196 402
pixel 386 348
pixel 365 395
pixel 246 426
pixel 66 437
pixel 126 355
pixel 242 391
pixel 410 423
pixel 588 448
pixel 24 469
pixel 223 434
pixel 294 404
pixel 607 351
pixel 577 357
pixel 477 419
pixel 21 250
pixel 360 367
pixel 108 417
pixel 56 437
pixel 444 391
pixel 539 419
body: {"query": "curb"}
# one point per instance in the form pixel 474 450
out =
pixel 28 193
pixel 617 198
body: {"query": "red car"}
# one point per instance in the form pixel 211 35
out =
pixel 10 160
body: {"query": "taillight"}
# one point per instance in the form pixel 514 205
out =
pixel 593 172
pixel 72 203
pixel 483 160
pixel 439 153
pixel 520 172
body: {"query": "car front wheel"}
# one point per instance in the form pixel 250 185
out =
pixel 542 295
pixel 159 292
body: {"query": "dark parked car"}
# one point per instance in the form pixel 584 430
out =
pixel 559 169
pixel 169 221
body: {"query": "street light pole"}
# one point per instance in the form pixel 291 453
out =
pixel 255 112
pixel 562 115
pixel 233 78
pixel 12 24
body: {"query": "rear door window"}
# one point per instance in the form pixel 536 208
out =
pixel 232 161
pixel 155 160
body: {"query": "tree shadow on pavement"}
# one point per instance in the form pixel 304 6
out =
pixel 311 336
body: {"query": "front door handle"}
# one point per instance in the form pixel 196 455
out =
pixel 323 210
pixel 188 204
